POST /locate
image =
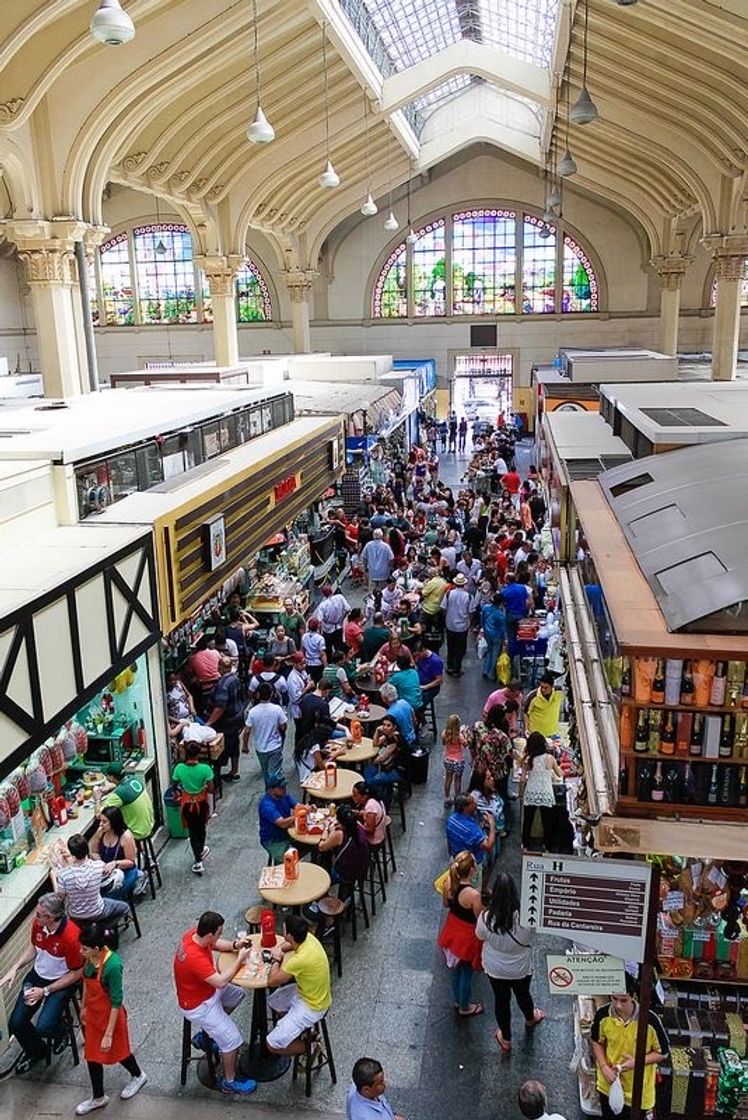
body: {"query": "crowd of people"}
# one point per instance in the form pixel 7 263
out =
pixel 460 570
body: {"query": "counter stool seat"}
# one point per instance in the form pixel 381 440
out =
pixel 252 916
pixel 317 1053
pixel 148 862
pixel 190 1054
pixel 334 909
pixel 67 1038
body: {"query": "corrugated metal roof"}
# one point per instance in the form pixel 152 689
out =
pixel 685 517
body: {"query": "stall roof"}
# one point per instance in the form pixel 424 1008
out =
pixel 75 429
pixel 584 443
pixel 321 398
pixel 47 560
pixel 682 412
pixel 145 507
pixel 685 518
pixel 637 620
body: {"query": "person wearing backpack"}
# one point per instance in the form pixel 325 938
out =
pixel 265 724
pixel 269 675
pixel 227 716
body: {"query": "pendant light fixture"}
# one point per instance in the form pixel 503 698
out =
pixel 567 166
pixel 369 207
pixel 111 25
pixel 584 109
pixel 390 223
pixel 329 179
pixel 159 248
pixel 554 197
pixel 260 131
pixel 412 235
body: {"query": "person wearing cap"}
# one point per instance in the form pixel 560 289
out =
pixel 130 795
pixel 457 623
pixel 276 816
pixel 377 559
pixel 543 707
pixel 298 684
pixel 331 614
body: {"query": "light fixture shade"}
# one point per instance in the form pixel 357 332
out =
pixel 111 25
pixel 260 131
pixel 160 249
pixel 391 223
pixel 567 166
pixel 412 236
pixel 584 109
pixel 554 198
pixel 329 179
pixel 545 232
pixel 369 208
pixel 549 216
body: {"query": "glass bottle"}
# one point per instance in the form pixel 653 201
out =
pixel 667 733
pixel 743 788
pixel 644 781
pixel 673 784
pixel 719 685
pixel 626 679
pixel 696 746
pixel 689 785
pixel 711 796
pixel 726 785
pixel 686 685
pixel 657 789
pixel 641 740
pixel 623 779
pixel 657 695
pixel 726 737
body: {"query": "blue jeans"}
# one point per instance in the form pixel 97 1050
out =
pixel 271 762
pixel 30 1037
pixel 492 655
pixel 462 980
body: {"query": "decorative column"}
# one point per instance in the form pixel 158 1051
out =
pixel 220 272
pixel 299 283
pixel 47 251
pixel 728 253
pixel 671 270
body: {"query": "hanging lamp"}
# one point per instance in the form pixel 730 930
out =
pixel 390 223
pixel 369 207
pixel 260 131
pixel 111 25
pixel 412 235
pixel 567 165
pixel 584 109
pixel 159 248
pixel 329 179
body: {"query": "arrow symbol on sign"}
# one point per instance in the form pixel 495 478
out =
pixel 534 877
pixel 531 921
pixel 532 909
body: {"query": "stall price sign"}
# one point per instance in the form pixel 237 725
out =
pixel 601 904
pixel 585 974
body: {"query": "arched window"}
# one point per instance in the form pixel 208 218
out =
pixel 486 261
pixel 743 288
pixel 148 276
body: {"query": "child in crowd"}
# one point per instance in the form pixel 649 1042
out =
pixel 454 757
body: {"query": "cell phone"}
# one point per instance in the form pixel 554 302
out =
pixel 267 956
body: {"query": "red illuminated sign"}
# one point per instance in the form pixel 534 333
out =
pixel 286 487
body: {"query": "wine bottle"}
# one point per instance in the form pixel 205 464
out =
pixel 667 733
pixel 644 780
pixel 657 789
pixel 657 694
pixel 743 788
pixel 740 743
pixel 626 678
pixel 725 785
pixel 683 724
pixel 673 784
pixel 719 685
pixel 654 730
pixel 744 698
pixel 623 779
pixel 711 796
pixel 697 735
pixel 686 685
pixel 641 740
pixel 726 737
pixel 689 785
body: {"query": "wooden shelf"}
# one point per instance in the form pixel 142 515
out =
pixel 632 807
pixel 630 702
pixel 645 756
pixel 702 980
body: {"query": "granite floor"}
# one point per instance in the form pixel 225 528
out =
pixel 393 1001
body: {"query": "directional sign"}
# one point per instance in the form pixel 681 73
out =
pixel 585 974
pixel 601 904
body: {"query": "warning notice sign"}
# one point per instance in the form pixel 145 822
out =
pixel 585 974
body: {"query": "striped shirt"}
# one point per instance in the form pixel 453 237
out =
pixel 82 885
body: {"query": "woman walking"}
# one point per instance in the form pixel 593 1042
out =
pixel 195 781
pixel 461 948
pixel 507 959
pixel 539 770
pixel 104 1019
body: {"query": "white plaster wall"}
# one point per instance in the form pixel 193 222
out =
pixel 17 344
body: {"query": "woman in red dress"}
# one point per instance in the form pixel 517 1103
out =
pixel 104 1019
pixel 462 949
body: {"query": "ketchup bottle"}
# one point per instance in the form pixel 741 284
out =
pixel 267 929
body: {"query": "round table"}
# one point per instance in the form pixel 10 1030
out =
pixel 255 1060
pixel 312 883
pixel 356 753
pixel 346 780
pixel 375 713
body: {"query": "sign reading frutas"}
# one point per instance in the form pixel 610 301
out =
pixel 601 904
pixel 585 974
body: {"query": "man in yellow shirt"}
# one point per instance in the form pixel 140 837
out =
pixel 306 1001
pixel 543 708
pixel 613 1038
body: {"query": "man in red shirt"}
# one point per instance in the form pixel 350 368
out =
pixel 512 483
pixel 207 996
pixel 57 966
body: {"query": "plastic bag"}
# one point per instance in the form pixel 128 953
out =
pixel 503 667
pixel 615 1097
pixel 482 646
pixel 439 882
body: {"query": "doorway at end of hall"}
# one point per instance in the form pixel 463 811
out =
pixel 481 385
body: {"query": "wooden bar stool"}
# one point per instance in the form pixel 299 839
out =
pixel 401 790
pixel 252 917
pixel 317 1053
pixel 388 852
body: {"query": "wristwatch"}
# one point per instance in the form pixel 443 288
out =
pixel 45 992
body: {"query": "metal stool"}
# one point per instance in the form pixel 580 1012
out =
pixel 399 792
pixel 317 1053
pixel 429 717
pixel 375 879
pixel 148 862
pixel 360 887
pixel 67 1035
pixel 188 1056
pixel 334 908
pixel 388 852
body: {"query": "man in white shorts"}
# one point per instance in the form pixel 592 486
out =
pixel 306 1001
pixel 207 996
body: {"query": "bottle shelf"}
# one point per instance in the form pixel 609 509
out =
pixel 630 702
pixel 632 806
pixel 697 759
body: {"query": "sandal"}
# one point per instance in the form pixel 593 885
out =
pixel 504 1043
pixel 537 1017
pixel 474 1009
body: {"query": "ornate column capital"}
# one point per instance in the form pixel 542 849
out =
pixel 47 248
pixel 300 283
pixel 729 252
pixel 671 268
pixel 220 271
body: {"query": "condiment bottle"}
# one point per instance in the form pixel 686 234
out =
pixel 331 774
pixel 267 929
pixel 301 813
pixel 290 861
pixel 356 730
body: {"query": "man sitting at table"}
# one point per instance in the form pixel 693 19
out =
pixel 276 817
pixel 374 638
pixel 430 669
pixel 306 1001
pixel 406 681
pixel 390 761
pixel 401 712
pixel 315 709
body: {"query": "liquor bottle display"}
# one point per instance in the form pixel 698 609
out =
pixel 667 733
pixel 686 685
pixel 641 740
pixel 697 736
pixel 658 683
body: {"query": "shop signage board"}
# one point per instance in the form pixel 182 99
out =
pixel 601 904
pixel 585 974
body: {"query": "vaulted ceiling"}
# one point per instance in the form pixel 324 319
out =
pixel 168 112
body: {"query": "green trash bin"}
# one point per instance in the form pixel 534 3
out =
pixel 177 831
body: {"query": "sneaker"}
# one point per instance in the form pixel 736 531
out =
pixel 205 852
pixel 24 1064
pixel 91 1105
pixel 198 867
pixel 239 1088
pixel 141 884
pixel 133 1086
pixel 201 1041
pixel 234 778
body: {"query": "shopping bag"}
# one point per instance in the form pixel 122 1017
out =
pixel 439 882
pixel 615 1097
pixel 503 667
pixel 482 646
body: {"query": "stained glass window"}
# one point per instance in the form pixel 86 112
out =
pixel 538 266
pixel 116 282
pixel 580 291
pixel 391 288
pixel 166 273
pixel 483 262
pixel 252 296
pixel 430 270
pixel 93 297
pixel 743 289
